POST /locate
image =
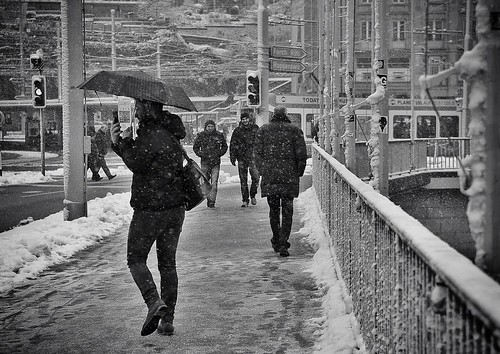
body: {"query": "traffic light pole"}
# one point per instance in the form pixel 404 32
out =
pixel 263 60
pixel 42 142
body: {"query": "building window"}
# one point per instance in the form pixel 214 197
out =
pixel 366 1
pixel 366 30
pixel 398 1
pixel 398 30
pixel 435 30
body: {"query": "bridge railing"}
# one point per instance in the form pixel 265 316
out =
pixel 419 154
pixel 411 292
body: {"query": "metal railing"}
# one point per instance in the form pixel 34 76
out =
pixel 411 292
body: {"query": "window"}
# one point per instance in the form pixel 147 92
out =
pixel 398 30
pixel 362 125
pixel 398 1
pixel 295 118
pixel 434 32
pixel 366 30
pixel 401 126
pixel 448 126
pixel 310 123
pixel 366 1
pixel 426 127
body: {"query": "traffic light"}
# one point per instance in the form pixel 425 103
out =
pixel 38 91
pixel 253 88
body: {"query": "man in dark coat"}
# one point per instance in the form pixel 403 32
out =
pixel 158 202
pixel 210 145
pixel 103 143
pixel 281 155
pixel 241 150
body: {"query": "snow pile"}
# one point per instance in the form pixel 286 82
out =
pixel 27 250
pixel 338 330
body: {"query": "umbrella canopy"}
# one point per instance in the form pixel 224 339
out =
pixel 138 84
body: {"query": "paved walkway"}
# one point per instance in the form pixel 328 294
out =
pixel 236 295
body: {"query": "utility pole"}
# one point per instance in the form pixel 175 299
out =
pixel 321 68
pixel 336 81
pixel 490 37
pixel 263 60
pixel 75 205
pixel 113 42
pixel 328 76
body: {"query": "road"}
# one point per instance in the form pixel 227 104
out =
pixel 21 201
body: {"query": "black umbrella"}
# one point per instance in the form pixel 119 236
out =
pixel 138 84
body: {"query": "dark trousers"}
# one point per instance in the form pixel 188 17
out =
pixel 164 227
pixel 101 163
pixel 280 216
pixel 245 167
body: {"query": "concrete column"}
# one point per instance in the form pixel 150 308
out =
pixel 75 204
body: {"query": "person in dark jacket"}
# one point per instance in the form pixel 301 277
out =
pixel 158 202
pixel 103 143
pixel 92 157
pixel 241 150
pixel 281 155
pixel 210 145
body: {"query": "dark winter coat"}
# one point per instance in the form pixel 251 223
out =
pixel 156 162
pixel 242 142
pixel 280 156
pixel 210 146
pixel 102 141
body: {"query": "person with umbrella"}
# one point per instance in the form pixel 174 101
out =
pixel 158 202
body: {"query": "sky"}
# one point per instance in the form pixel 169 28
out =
pixel 28 249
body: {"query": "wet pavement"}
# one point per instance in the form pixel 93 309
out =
pixel 235 294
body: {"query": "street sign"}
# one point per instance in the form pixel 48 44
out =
pixel 287 52
pixel 286 66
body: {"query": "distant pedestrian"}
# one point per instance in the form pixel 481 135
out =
pixel 92 157
pixel 210 145
pixel 103 143
pixel 158 202
pixel 241 150
pixel 281 155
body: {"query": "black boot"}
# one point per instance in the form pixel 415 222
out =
pixel 156 311
pixel 166 327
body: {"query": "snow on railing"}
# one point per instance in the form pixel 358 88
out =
pixel 411 292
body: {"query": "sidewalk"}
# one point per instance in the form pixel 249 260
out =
pixel 235 294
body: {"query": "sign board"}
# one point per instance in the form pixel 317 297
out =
pixel 124 104
pixel 383 78
pixel 286 66
pixel 287 52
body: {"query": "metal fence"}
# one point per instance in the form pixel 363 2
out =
pixel 411 292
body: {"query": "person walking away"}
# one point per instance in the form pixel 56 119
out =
pixel 103 143
pixel 241 150
pixel 210 145
pixel 92 157
pixel 280 155
pixel 157 198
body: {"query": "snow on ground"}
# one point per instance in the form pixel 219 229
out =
pixel 28 250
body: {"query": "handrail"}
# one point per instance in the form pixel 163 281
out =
pixel 411 291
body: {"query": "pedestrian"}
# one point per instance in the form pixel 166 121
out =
pixel 92 157
pixel 158 202
pixel 210 145
pixel 280 155
pixel 241 150
pixel 103 143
